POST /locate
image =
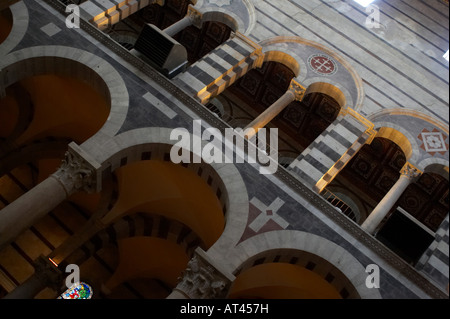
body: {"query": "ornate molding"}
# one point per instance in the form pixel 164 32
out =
pixel 410 171
pixel 77 172
pixel 195 16
pixel 202 280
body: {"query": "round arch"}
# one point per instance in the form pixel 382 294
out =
pixel 300 247
pixel 240 18
pixel 230 19
pixel 155 144
pixel 286 59
pixel 321 85
pixel 72 62
pixel 435 165
pixel 399 136
pixel 283 43
pixel 21 19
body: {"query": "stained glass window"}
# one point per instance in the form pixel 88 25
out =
pixel 80 290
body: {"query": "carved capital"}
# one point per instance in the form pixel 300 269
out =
pixel 195 16
pixel 297 89
pixel 77 172
pixel 201 280
pixel 409 171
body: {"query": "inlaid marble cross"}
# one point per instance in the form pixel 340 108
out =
pixel 268 213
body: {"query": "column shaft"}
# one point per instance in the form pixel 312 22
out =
pixel 76 173
pixel 29 208
pixel 178 26
pixel 271 112
pixel 407 176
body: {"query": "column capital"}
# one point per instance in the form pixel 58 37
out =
pixel 297 89
pixel 78 171
pixel 410 171
pixel 203 280
pixel 195 16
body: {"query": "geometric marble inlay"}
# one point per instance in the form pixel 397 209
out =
pixel 263 218
pixel 50 29
pixel 433 142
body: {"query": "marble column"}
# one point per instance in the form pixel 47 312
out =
pixel 75 174
pixel 46 275
pixel 408 175
pixel 193 17
pixel 295 92
pixel 202 279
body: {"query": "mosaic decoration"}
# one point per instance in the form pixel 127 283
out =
pixel 322 64
pixel 433 142
pixel 79 290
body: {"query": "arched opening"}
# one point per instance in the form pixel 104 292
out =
pixel 299 124
pixel 411 226
pixel 368 177
pixel 281 273
pixel 281 281
pixel 198 42
pixel 39 116
pixel 51 106
pixel 159 214
pixel 6 23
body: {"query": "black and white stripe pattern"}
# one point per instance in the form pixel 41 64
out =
pixel 219 69
pixel 306 260
pixel 104 14
pixel 321 161
pixel 139 224
pixel 435 261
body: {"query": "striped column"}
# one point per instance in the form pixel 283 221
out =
pixel 104 13
pixel 212 74
pixel 435 261
pixel 321 161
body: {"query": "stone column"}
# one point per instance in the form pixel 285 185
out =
pixel 408 175
pixel 193 17
pixel 296 92
pixel 76 173
pixel 46 275
pixel 202 279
